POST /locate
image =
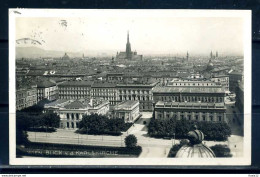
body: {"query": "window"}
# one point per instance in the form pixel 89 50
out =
pixel 72 116
pixel 204 118
pixel 77 116
pixel 68 125
pixel 68 116
pixel 219 118
pixel 197 117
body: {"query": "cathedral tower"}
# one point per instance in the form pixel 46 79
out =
pixel 128 48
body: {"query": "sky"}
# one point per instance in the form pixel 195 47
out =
pixel 148 35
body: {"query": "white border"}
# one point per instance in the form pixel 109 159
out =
pixel 245 14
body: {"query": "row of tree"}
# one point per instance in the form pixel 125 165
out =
pixel 100 124
pixel 160 128
pixel 33 119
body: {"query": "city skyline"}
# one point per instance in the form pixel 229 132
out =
pixel 148 36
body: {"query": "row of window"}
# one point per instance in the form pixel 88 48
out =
pixel 196 117
pixel 189 98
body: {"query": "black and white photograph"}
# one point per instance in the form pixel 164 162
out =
pixel 129 87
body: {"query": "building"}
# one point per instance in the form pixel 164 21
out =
pixel 75 89
pixel 65 57
pixel 240 97
pixel 137 92
pixel 223 80
pixel 47 90
pixel 106 91
pixel 128 54
pixel 117 77
pixel 26 97
pixel 127 110
pixel 234 77
pixel 71 112
pixel 189 94
pixel 214 112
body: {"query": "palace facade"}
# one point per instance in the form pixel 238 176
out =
pixel 127 110
pixel 214 112
pixel 71 112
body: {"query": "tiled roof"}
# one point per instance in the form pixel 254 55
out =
pixel 45 84
pixel 77 83
pixel 103 84
pixel 75 105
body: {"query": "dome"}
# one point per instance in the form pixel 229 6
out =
pixel 195 151
pixel 195 148
pixel 210 65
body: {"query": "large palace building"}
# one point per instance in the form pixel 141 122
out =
pixel 128 54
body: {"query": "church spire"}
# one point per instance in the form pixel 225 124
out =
pixel 128 48
pixel 127 36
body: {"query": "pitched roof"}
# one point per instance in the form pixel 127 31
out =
pixel 103 84
pixel 45 84
pixel 77 83
pixel 75 105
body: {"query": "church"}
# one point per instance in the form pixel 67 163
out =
pixel 128 54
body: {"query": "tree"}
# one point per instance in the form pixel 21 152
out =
pixel 221 150
pixel 100 124
pixel 130 141
pixel 50 119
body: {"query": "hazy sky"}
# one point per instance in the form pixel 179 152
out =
pixel 168 35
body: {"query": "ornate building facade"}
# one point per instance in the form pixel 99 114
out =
pixel 214 112
pixel 71 112
pixel 127 110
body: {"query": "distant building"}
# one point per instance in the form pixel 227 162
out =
pixel 26 97
pixel 128 54
pixel 127 110
pixel 115 77
pixel 213 112
pixel 71 112
pixel 65 57
pixel 47 90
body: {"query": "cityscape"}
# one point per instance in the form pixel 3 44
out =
pixel 126 102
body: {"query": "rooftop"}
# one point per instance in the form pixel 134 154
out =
pixel 45 84
pixel 77 83
pixel 187 89
pixel 103 84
